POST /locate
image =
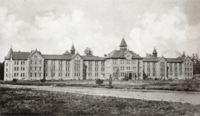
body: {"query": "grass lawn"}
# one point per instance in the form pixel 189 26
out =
pixel 26 102
pixel 177 85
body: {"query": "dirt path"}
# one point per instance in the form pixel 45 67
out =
pixel 184 97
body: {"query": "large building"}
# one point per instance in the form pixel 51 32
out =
pixel 71 65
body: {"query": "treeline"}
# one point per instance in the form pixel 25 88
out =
pixel 1 71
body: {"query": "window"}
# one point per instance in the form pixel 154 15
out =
pixel 35 67
pixel 67 74
pixel 60 62
pixel 35 74
pixel 122 74
pixel 122 61
pixel 6 64
pixel 30 74
pixel 102 63
pixel 60 68
pixel 96 68
pixel 128 68
pixel 114 61
pixel 102 69
pixel 67 68
pixel 6 69
pixel 67 63
pixel 40 68
pixel 133 61
pixel 40 62
pixel 52 74
pixel 96 74
pixel 90 63
pixel 122 68
pixel 128 61
pixel 96 63
pixel 148 64
pixel 90 68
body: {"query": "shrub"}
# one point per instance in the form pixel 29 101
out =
pixel 43 80
pixel 14 80
pixel 99 82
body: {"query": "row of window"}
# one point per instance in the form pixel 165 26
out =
pixel 35 68
pixel 35 74
pixel 60 62
pixel 19 74
pixel 122 68
pixel 123 74
pixel 36 61
pixel 96 63
pixel 18 62
pixel 96 69
pixel 90 74
pixel 17 69
pixel 124 61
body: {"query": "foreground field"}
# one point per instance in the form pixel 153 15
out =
pixel 26 102
pixel 175 85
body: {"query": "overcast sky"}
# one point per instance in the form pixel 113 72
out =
pixel 52 26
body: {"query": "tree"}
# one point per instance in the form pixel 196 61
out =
pixel 196 64
pixel 1 71
pixel 88 52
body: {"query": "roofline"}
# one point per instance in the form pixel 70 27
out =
pixel 56 59
pixel 150 61
pixel 94 60
pixel 121 58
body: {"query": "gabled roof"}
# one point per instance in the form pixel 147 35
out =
pixel 76 55
pixel 57 57
pixel 121 53
pixel 123 43
pixel 174 60
pixel 20 55
pixel 92 58
pixel 66 52
pixel 184 59
pixel 9 54
pixel 151 59
pixel 34 53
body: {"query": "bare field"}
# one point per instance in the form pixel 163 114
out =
pixel 33 102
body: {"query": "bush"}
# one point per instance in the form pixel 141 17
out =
pixel 43 80
pixel 14 80
pixel 99 82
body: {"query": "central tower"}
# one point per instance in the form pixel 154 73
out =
pixel 123 45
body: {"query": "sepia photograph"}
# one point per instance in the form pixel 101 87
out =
pixel 100 57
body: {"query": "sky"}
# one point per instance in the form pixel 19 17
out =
pixel 52 26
